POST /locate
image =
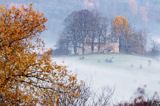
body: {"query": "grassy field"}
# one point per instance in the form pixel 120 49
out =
pixel 124 73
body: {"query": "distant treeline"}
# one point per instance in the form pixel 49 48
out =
pixel 89 32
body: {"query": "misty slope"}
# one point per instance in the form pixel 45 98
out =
pixel 124 74
pixel 142 14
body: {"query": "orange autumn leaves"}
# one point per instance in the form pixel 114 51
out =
pixel 27 74
pixel 19 23
pixel 120 24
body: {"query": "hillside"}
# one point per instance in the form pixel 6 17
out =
pixel 125 73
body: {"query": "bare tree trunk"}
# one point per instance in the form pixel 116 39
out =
pixel 92 44
pixel 92 47
pixel 75 49
pixel 83 49
pixel 99 44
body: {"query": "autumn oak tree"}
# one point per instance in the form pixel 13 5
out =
pixel 120 29
pixel 27 74
pixel 130 41
pixel 120 24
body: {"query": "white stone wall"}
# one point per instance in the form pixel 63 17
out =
pixel 105 48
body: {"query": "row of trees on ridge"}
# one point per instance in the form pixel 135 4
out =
pixel 89 27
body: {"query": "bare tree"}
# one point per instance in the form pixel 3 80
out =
pixel 155 50
pixel 102 31
pixel 137 43
pixel 77 27
pixel 89 98
pixel 102 99
pixel 83 27
pixel 62 46
pixel 71 30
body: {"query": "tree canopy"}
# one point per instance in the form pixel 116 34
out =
pixel 120 24
pixel 82 27
pixel 27 73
